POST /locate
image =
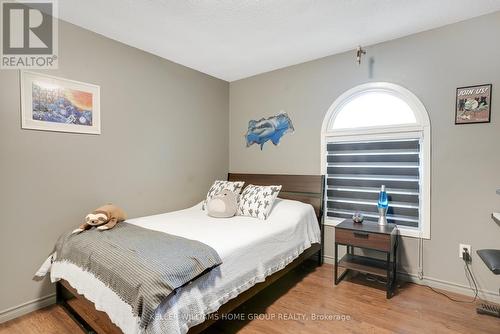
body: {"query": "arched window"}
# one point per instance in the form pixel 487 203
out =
pixel 374 134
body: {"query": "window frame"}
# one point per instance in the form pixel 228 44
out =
pixel 421 129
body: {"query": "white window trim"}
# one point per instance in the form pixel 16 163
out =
pixel 421 129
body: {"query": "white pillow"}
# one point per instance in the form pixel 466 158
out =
pixel 223 205
pixel 219 186
pixel 257 201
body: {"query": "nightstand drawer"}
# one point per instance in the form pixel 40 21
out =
pixel 376 241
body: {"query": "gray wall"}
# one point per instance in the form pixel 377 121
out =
pixel 164 140
pixel 465 159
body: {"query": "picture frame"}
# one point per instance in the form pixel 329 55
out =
pixel 473 104
pixel 50 103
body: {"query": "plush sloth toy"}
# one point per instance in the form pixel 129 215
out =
pixel 104 218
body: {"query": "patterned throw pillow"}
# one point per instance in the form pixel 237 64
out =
pixel 218 186
pixel 257 201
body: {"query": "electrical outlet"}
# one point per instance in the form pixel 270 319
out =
pixel 461 250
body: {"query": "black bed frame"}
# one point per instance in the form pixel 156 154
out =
pixel 305 188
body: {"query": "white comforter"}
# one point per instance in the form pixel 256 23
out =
pixel 250 249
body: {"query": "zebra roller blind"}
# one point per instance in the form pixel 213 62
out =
pixel 356 170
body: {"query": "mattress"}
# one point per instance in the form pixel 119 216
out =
pixel 250 250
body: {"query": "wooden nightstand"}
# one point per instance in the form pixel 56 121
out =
pixel 370 236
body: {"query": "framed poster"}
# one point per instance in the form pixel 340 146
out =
pixel 473 104
pixel 55 104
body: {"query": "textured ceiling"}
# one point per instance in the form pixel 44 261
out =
pixel 234 39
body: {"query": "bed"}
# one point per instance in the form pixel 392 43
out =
pixel 254 255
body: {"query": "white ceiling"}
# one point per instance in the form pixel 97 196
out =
pixel 234 39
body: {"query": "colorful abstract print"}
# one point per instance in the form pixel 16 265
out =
pixel 61 105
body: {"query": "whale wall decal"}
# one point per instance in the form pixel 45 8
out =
pixel 265 129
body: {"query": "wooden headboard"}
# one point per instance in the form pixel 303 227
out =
pixel 303 188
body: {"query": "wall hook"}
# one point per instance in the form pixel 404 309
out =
pixel 359 53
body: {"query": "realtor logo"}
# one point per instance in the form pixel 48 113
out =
pixel 29 34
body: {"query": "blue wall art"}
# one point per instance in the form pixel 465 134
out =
pixel 272 128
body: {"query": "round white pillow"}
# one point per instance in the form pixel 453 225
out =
pixel 223 205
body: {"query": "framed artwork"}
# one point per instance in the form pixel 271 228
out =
pixel 473 104
pixel 55 104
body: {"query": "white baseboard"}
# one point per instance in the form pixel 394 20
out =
pixel 25 308
pixel 436 283
pixel 328 259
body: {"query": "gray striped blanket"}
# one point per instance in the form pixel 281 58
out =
pixel 141 266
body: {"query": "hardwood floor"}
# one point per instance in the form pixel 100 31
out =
pixel 50 320
pixel 291 303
